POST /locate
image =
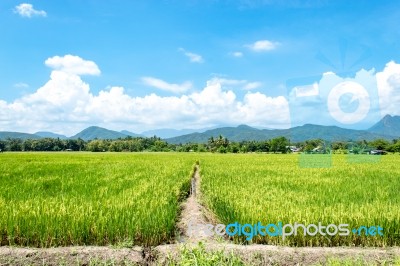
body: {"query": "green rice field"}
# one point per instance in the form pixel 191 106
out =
pixel 63 199
pixel 53 199
pixel 272 188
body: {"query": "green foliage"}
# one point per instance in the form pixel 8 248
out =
pixel 279 145
pixel 199 256
pixel 220 144
pixel 394 147
pixel 380 144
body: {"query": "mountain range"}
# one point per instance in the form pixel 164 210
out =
pixel 387 128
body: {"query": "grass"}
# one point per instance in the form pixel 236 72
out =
pixel 126 199
pixel 199 256
pixel 248 188
pixel 358 262
pixel 61 199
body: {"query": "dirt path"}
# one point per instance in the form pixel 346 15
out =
pixel 161 255
pixel 193 213
pixel 72 256
pixel 281 255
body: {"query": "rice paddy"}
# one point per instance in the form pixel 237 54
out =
pixel 64 199
pixel 61 199
pixel 249 188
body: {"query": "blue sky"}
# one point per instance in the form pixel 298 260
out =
pixel 241 54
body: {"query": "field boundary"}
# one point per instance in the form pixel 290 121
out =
pixel 192 211
pixel 163 254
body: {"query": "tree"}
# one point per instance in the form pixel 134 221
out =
pixel 394 147
pixel 2 145
pixel 216 144
pixel 280 144
pixel 97 145
pixel 14 145
pixel 310 145
pixel 380 144
pixel 337 146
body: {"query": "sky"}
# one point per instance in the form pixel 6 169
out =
pixel 141 65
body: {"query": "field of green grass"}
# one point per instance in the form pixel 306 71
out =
pixel 270 188
pixel 53 199
pixel 60 199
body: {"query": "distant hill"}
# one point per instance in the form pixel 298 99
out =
pixel 239 133
pixel 388 128
pixel 296 134
pixel 99 133
pixel 170 133
pixel 45 134
pixel 128 133
pixel 389 125
pixel 17 135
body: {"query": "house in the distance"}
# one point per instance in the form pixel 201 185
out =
pixel 377 152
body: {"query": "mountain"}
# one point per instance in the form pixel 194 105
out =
pixel 170 133
pixel 295 134
pixel 128 133
pixel 331 133
pixel 45 134
pixel 387 128
pixel 389 125
pixel 17 135
pixel 99 133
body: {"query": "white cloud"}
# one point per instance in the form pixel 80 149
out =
pixel 225 81
pixel 258 109
pixel 357 101
pixel 262 46
pixel 21 85
pixel 194 58
pixel 65 104
pixel 388 82
pixel 73 65
pixel 27 10
pixel 306 90
pixel 244 84
pixel 237 54
pixel 252 85
pixel 161 84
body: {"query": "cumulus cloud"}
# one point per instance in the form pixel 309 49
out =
pixel 306 90
pixel 242 83
pixel 66 104
pixel 252 85
pixel 388 82
pixel 73 65
pixel 27 10
pixel 357 101
pixel 194 58
pixel 262 46
pixel 162 85
pixel 260 110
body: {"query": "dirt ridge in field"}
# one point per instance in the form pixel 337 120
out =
pixel 193 213
pixel 161 255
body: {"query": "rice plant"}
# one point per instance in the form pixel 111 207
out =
pixel 53 199
pixel 269 188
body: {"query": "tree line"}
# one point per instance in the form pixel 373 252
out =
pixel 218 144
